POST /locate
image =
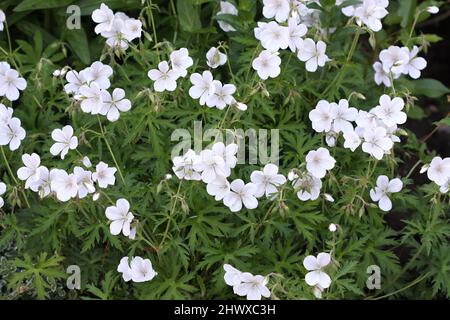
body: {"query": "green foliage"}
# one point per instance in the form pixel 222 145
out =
pixel 184 231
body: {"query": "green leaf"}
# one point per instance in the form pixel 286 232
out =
pixel 429 87
pixel 28 5
pixel 79 44
pixel 188 16
pixel 406 10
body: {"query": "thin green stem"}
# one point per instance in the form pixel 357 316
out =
pixel 413 168
pixel 154 29
pixel 411 284
pixel 8 167
pixel 337 79
pixel 110 150
pixel 172 210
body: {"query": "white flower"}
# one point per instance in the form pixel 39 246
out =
pixel 63 184
pixel 139 270
pixel 115 37
pixel 215 58
pixel 415 64
pixel 84 180
pixel 180 61
pixel 227 8
pixel 120 217
pixel 321 116
pixel 328 197
pixel 389 111
pixel 371 12
pixel 203 86
pixel 75 81
pixel 12 134
pixel 432 9
pixel 445 187
pixel 104 175
pixel 267 181
pixel 376 142
pixel 394 59
pixel 366 120
pixel 279 9
pixel 307 186
pixel 43 184
pixel 352 140
pixel 114 103
pixel 183 166
pixel 2 192
pixel 232 275
pixel 267 64
pixel 210 165
pixel 239 105
pixel 319 161
pixel 222 96
pixel 274 37
pixel 330 138
pixel 64 140
pixel 165 79
pixel 103 17
pixel 381 76
pixel 343 116
pixel 228 153
pixel 349 11
pixel 132 29
pixel 218 188
pixel 424 168
pixel 313 54
pixel 439 170
pixel 11 83
pixel 383 189
pixel 2 21
pixel 315 265
pixel 332 227
pixel 239 194
pixel 91 98
pixel 296 32
pixel 142 270
pixel 31 170
pixel 6 114
pixel 99 73
pixel 253 287
pixel 124 269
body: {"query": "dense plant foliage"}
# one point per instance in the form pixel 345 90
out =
pixel 179 226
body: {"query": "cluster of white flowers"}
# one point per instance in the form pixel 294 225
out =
pixel 165 77
pixel 395 61
pixel 210 92
pixel 90 87
pixel 375 129
pixel 438 171
pixel 62 184
pixel 138 270
pixel 287 31
pixel 213 166
pixel 246 284
pixel 118 29
pixel 11 131
pixel 383 189
pixel 10 82
pixel 308 184
pixel 368 12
